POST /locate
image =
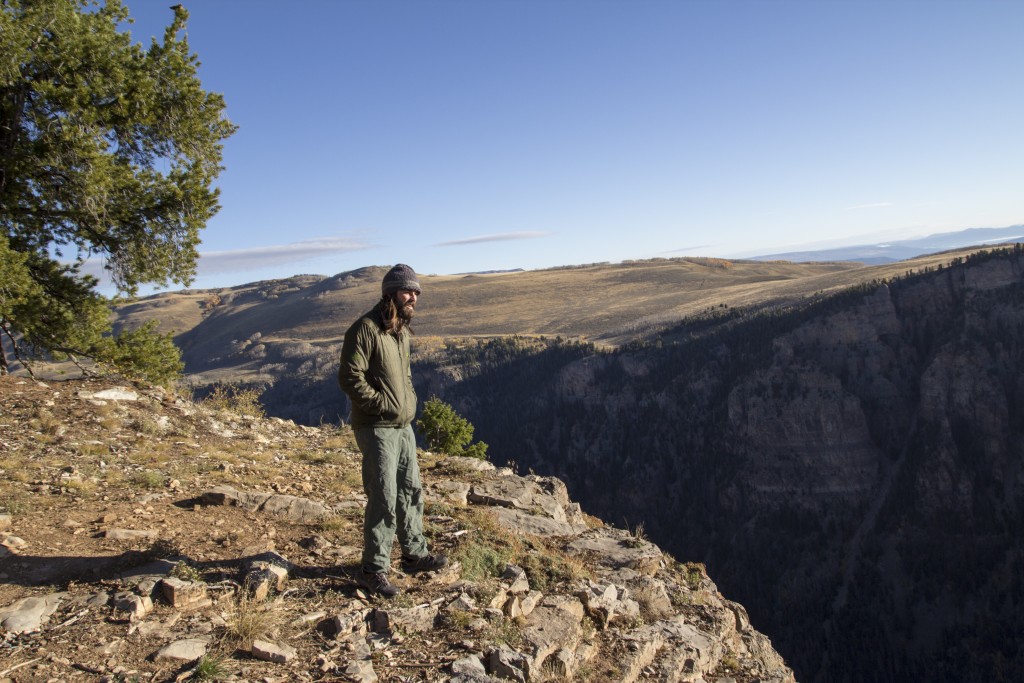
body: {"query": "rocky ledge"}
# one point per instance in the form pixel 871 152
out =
pixel 145 537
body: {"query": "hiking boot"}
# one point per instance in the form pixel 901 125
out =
pixel 377 582
pixel 426 563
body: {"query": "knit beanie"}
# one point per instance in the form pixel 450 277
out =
pixel 400 277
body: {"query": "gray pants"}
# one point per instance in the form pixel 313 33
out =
pixel 394 505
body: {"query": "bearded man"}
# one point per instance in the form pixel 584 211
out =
pixel 375 374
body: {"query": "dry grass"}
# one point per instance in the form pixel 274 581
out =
pixel 92 449
pixel 346 477
pixel 340 442
pixel 233 399
pixel 460 619
pixel 548 565
pixel 251 619
pixel 694 573
pixel 112 477
pixel 504 630
pixel 111 423
pixel 487 551
pixel 104 409
pixel 80 486
pixel 15 467
pixel 147 479
pixel 314 456
pixel 335 525
pixel 209 668
pixel 146 426
pixel 16 502
pixel 45 422
pixel 18 475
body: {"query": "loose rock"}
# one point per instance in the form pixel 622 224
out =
pixel 28 614
pixel 273 652
pixel 187 650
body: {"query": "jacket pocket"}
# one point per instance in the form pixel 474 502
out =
pixel 389 408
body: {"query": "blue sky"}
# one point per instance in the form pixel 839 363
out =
pixel 469 135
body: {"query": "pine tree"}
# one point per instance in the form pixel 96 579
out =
pixel 106 150
pixel 445 431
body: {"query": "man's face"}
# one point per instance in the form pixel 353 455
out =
pixel 405 302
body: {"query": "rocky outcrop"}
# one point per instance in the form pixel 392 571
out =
pixel 294 508
pixel 627 575
pixel 227 580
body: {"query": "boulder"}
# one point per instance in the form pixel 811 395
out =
pixel 273 652
pixel 128 534
pixel 455 491
pixel 187 650
pixel 515 577
pixel 607 602
pixel 405 620
pixel 555 624
pixel 469 665
pixel 517 493
pixel 294 508
pixel 179 593
pixel 361 671
pixel 616 550
pixel 29 614
pixel 534 525
pixel 12 542
pixel 137 606
pixel 348 623
pixel 474 464
pixel 506 663
pixel 111 394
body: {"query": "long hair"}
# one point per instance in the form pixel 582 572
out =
pixel 393 322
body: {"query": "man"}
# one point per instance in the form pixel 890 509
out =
pixel 375 374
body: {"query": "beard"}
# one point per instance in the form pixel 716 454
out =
pixel 405 312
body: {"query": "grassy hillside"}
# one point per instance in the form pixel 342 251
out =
pixel 240 333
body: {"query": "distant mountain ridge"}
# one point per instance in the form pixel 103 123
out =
pixel 899 250
pixel 285 334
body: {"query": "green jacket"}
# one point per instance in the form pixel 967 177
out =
pixel 375 374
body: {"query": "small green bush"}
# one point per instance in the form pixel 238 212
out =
pixel 694 575
pixel 186 572
pixel 445 431
pixel 481 561
pixel 209 669
pixel 148 479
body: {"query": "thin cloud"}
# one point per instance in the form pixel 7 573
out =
pixel 686 249
pixel 499 237
pixel 234 260
pixel 240 260
pixel 876 205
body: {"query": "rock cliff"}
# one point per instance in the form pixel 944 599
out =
pixel 146 537
pixel 850 469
